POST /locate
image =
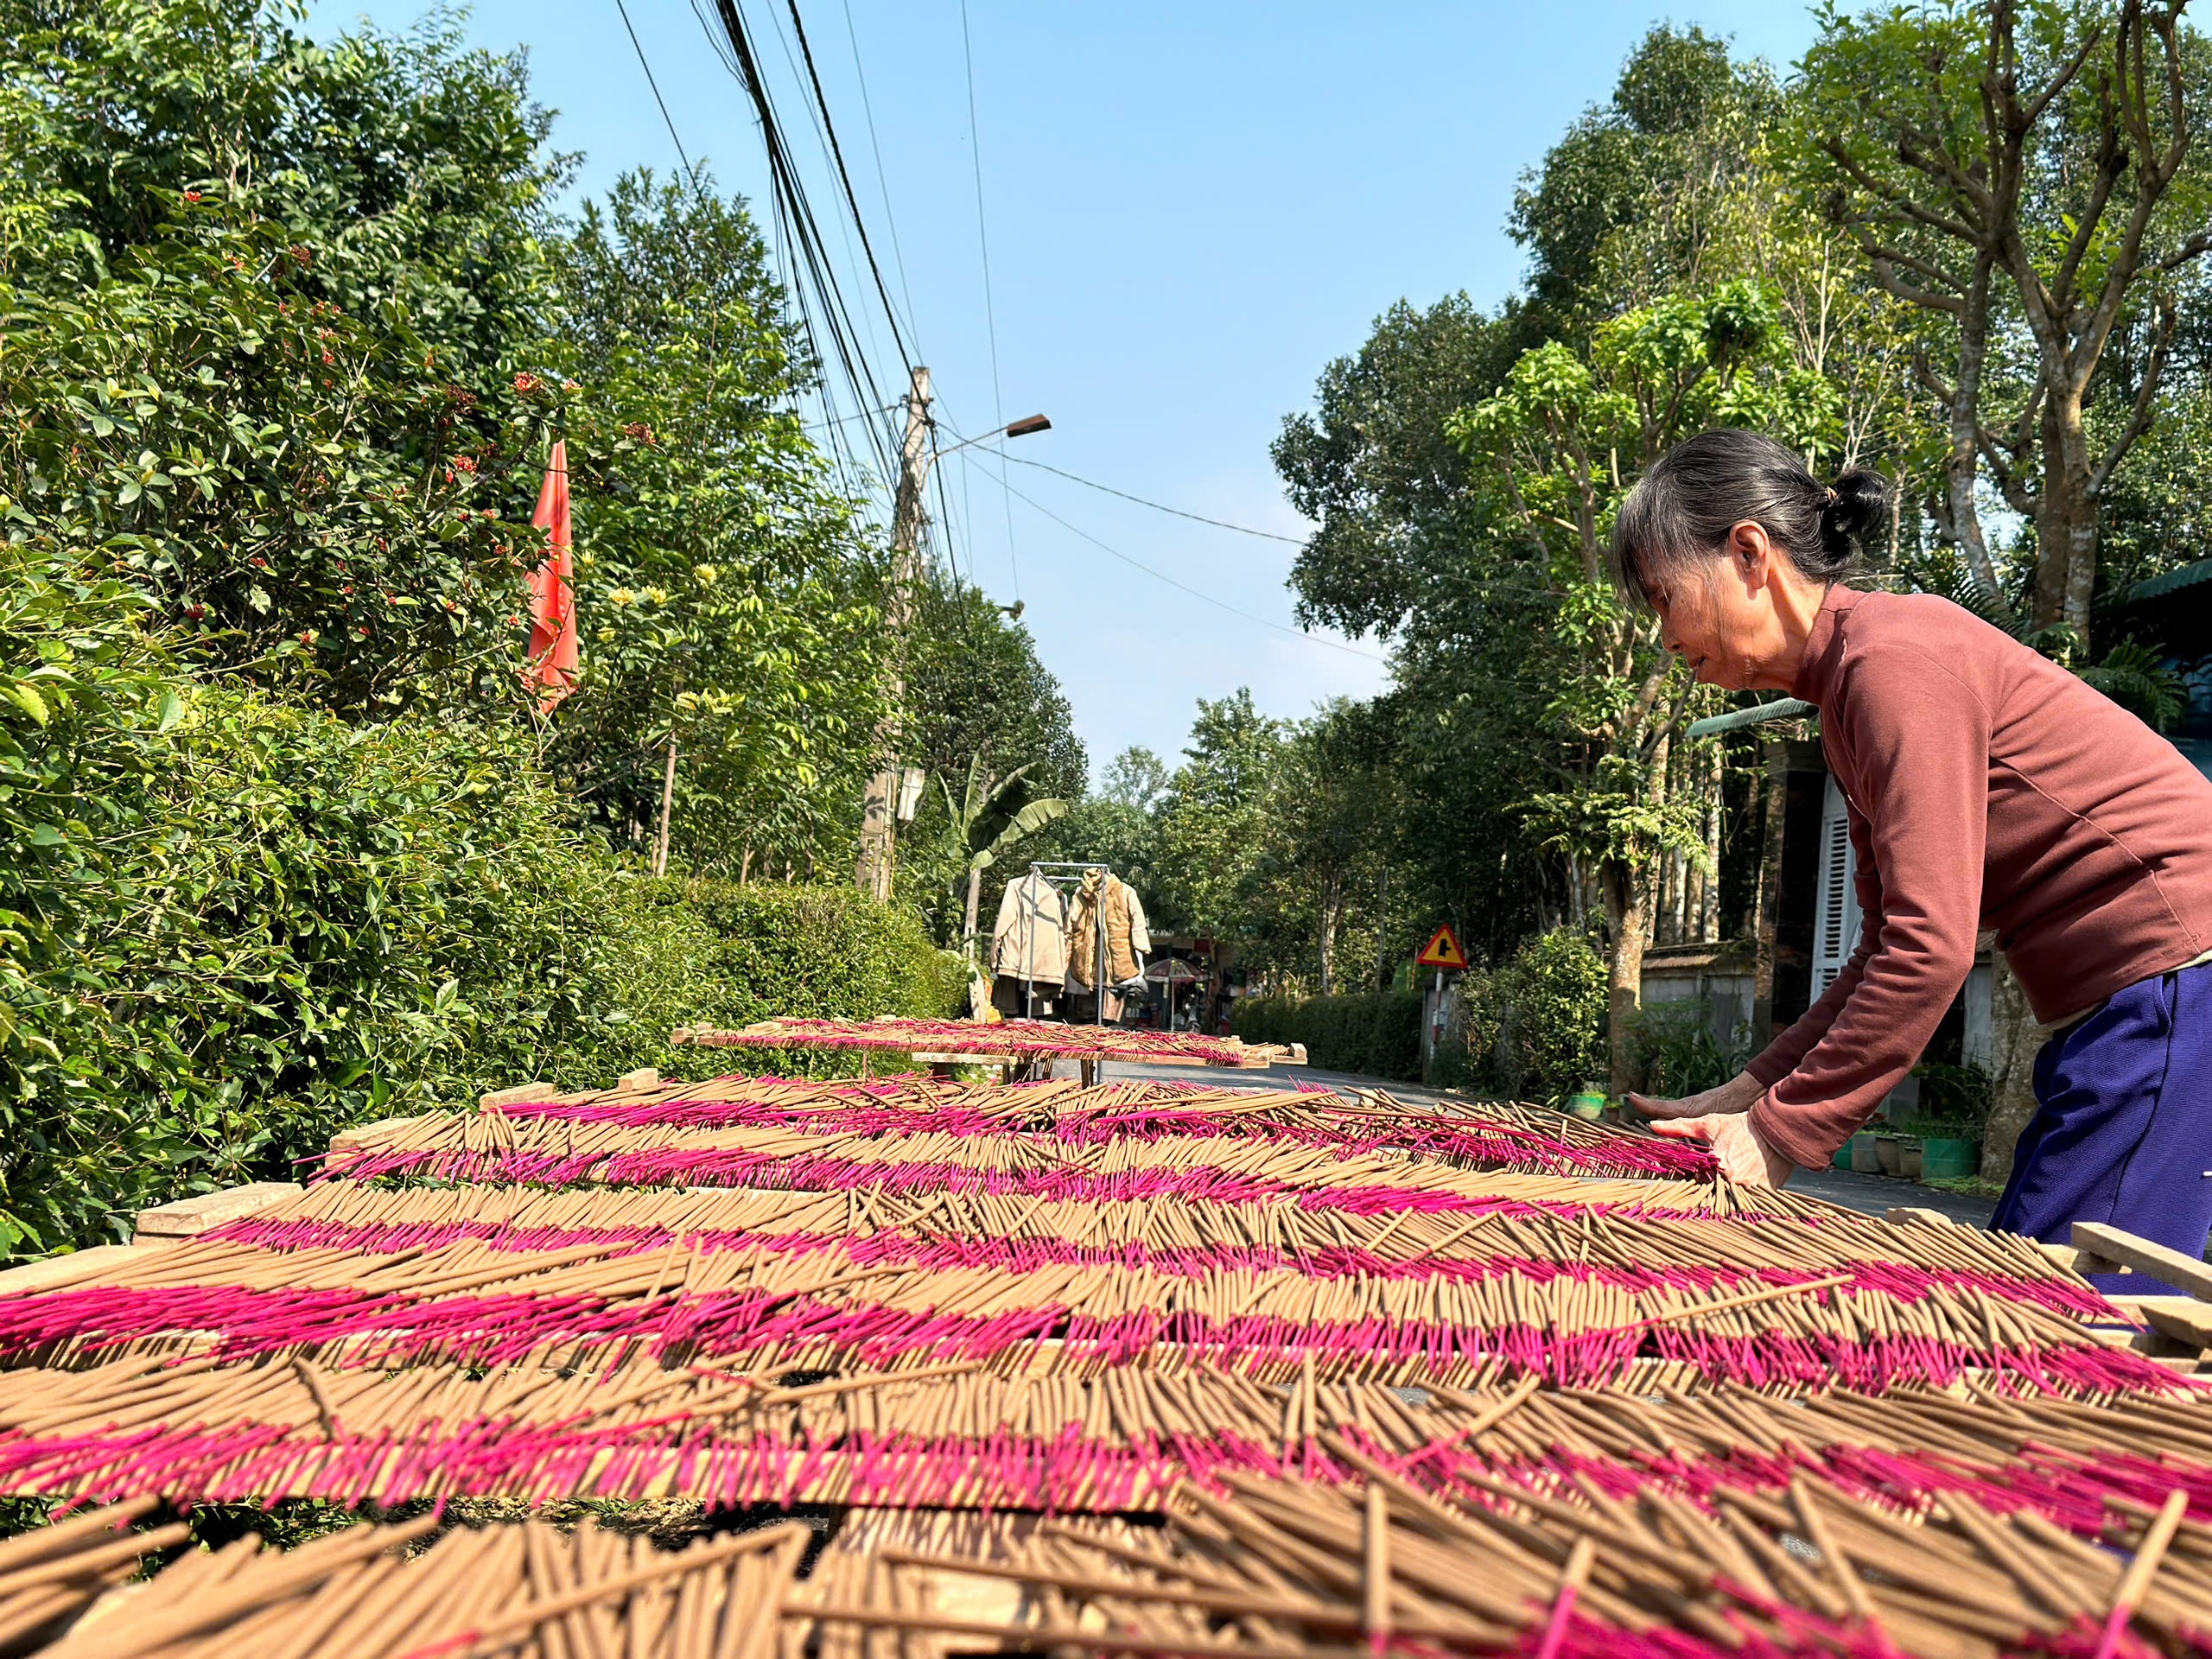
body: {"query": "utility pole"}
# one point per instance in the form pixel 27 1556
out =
pixel 878 813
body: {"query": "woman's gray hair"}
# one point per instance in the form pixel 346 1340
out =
pixel 1679 515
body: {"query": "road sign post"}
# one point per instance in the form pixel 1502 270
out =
pixel 1444 954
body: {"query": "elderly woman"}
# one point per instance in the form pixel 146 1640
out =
pixel 1988 788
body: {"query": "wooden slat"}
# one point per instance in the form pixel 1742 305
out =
pixel 2096 1238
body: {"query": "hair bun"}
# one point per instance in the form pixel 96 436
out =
pixel 1857 501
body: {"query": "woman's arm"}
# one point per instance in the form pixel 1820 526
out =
pixel 1919 738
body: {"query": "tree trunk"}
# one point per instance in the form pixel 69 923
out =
pixel 1626 906
pixel 975 903
pixel 1962 462
pixel 1383 928
pixel 2014 1037
pixel 1766 894
pixel 1708 887
pixel 2066 520
pixel 1332 904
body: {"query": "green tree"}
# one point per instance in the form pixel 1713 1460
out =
pixel 1557 448
pixel 1214 819
pixel 2025 174
pixel 726 596
pixel 417 170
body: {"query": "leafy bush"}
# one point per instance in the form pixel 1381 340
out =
pixel 1536 1026
pixel 235 925
pixel 1378 1034
pixel 1679 1054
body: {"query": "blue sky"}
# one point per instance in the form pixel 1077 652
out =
pixel 1189 209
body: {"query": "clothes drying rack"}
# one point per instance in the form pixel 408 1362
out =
pixel 1067 879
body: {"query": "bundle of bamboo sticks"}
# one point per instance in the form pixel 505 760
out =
pixel 1038 1037
pixel 685 1298
pixel 1276 1567
pixel 961 1434
pixel 495 1141
pixel 525 1590
pixel 1532 1231
pixel 49 1576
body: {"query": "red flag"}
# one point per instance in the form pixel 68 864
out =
pixel 553 655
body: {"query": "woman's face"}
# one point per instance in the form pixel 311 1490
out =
pixel 1718 615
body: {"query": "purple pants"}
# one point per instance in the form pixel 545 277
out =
pixel 2123 1126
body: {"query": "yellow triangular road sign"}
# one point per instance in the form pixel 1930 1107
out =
pixel 1443 951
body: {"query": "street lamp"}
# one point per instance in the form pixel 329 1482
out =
pixel 1020 428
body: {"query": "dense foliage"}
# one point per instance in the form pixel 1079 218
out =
pixel 287 330
pixel 1376 1033
pixel 2006 308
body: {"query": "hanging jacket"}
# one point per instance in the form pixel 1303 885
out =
pixel 1109 899
pixel 1029 940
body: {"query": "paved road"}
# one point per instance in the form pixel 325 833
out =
pixel 1870 1194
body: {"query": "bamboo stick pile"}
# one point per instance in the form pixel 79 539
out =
pixel 1452 1378
pixel 1010 1037
pixel 583 1136
pixel 526 1591
pixel 1265 1567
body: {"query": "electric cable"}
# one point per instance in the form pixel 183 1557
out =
pixel 882 182
pixel 1157 507
pixel 668 119
pixel 990 313
pixel 1159 576
pixel 852 201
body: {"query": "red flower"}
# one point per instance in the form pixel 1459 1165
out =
pixel 527 382
pixel 196 612
pixel 464 464
pixel 192 195
pixel 303 253
pixel 259 562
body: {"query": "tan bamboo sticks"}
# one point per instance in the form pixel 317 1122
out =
pixel 1286 1566
pixel 50 1575
pixel 524 1590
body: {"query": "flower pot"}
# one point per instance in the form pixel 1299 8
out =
pixel 1909 1160
pixel 1888 1154
pixel 1842 1158
pixel 1587 1103
pixel 1943 1158
pixel 1865 1160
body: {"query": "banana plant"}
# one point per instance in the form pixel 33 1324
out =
pixel 973 817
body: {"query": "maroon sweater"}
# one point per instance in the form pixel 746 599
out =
pixel 1988 788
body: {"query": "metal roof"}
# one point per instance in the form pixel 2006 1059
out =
pixel 1736 719
pixel 2188 576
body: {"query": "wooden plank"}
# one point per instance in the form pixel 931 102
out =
pixel 2140 1254
pixel 521 1094
pixel 189 1217
pixel 61 1269
pixel 2182 1318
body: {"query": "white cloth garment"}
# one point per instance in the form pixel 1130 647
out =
pixel 1139 933
pixel 1030 939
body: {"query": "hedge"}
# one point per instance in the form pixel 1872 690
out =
pixel 233 925
pixel 1376 1034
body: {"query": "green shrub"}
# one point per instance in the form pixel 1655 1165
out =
pixel 1679 1054
pixel 246 925
pixel 1535 1028
pixel 1376 1034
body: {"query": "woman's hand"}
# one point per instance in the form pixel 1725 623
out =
pixel 1739 1094
pixel 1717 1118
pixel 1735 1143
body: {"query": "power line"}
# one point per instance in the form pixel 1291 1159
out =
pixel 852 201
pixel 882 183
pixel 990 313
pixel 827 315
pixel 1157 507
pixel 657 98
pixel 1159 576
